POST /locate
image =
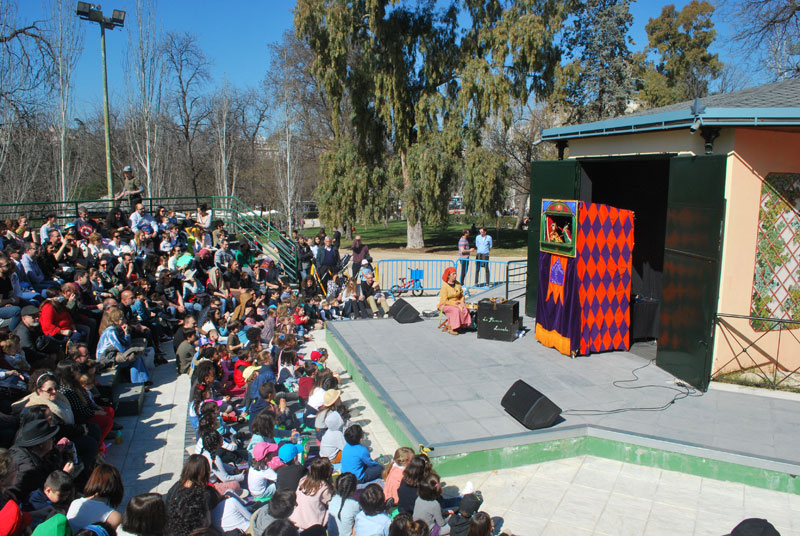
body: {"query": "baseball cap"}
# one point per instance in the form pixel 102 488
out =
pixel 288 452
pixel 127 169
pixel 470 504
pixel 364 261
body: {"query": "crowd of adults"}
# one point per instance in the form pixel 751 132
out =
pixel 276 452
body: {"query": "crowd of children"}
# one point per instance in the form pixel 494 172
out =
pixel 276 452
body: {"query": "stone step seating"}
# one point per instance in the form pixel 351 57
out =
pixel 129 398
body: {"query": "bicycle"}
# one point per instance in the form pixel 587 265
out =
pixel 412 284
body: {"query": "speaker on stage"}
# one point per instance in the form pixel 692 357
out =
pixel 403 312
pixel 530 407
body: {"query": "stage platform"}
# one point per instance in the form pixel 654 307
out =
pixel 444 391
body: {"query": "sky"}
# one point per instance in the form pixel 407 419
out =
pixel 234 35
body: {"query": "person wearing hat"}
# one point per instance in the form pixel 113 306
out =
pixel 453 304
pixel 261 476
pixel 35 458
pixel 289 474
pixel 460 520
pixel 39 350
pixel 332 442
pixel 131 189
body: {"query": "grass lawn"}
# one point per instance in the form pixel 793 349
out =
pixel 509 242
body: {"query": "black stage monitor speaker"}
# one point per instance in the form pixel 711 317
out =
pixel 530 407
pixel 403 312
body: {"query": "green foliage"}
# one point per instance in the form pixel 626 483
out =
pixel 410 73
pixel 598 81
pixel 351 190
pixel 685 66
pixel 433 167
pixel 779 195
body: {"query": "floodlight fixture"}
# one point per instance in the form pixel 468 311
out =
pixel 83 10
pixel 118 18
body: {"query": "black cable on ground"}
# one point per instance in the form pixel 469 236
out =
pixel 683 390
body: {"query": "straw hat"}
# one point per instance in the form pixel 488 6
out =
pixel 330 397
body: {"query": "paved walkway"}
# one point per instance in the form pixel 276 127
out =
pixel 571 497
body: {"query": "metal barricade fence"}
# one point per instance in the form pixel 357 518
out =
pixel 497 273
pixel 391 270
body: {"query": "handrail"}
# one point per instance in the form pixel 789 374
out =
pixel 759 318
pixel 521 270
pixel 764 365
pixel 229 209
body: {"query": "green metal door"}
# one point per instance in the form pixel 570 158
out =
pixel 552 179
pixel 692 258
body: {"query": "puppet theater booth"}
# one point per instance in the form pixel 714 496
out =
pixel 585 252
pixel 714 185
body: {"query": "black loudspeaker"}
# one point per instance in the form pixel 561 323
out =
pixel 403 312
pixel 530 407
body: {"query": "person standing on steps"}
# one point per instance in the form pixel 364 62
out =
pixel 483 244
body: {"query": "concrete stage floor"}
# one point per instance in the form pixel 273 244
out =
pixel 444 391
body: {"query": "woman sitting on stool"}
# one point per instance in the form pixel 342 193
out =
pixel 452 304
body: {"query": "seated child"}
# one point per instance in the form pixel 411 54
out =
pixel 289 474
pixel 393 474
pixel 314 493
pixel 356 459
pixel 261 476
pixel 372 518
pixel 55 496
pixel 343 507
pixel 224 476
pixel 460 521
pixel 427 506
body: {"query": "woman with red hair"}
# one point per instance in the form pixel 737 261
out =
pixel 452 303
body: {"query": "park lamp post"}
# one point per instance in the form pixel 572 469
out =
pixel 94 13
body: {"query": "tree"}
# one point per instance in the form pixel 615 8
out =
pixel 146 76
pixel 188 67
pixel 221 119
pixel 598 81
pixel 66 43
pixel 408 65
pixel 26 57
pixel 517 144
pixel 685 66
pixel 769 31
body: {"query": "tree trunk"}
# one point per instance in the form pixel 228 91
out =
pixel 414 237
pixel 521 203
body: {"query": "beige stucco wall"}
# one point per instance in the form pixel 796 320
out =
pixel 757 152
pixel 670 141
pixel 752 154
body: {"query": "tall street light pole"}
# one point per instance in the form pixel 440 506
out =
pixel 94 13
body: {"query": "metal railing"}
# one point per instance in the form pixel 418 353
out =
pixel 767 367
pixel 516 275
pixel 240 218
pixel 389 272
